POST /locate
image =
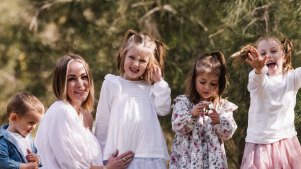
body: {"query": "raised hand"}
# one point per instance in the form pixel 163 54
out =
pixel 256 61
pixel 156 75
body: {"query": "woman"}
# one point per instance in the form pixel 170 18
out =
pixel 64 139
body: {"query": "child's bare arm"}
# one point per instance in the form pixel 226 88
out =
pixel 28 166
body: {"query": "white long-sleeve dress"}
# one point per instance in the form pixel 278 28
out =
pixel 127 117
pixel 63 142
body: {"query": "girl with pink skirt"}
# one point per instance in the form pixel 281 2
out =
pixel 271 141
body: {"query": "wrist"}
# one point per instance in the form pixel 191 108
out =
pixel 258 71
pixel 193 114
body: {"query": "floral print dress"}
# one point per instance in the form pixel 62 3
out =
pixel 198 143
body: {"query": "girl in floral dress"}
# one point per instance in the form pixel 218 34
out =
pixel 201 119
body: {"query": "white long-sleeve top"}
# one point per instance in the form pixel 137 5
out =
pixel 127 120
pixel 63 142
pixel 271 112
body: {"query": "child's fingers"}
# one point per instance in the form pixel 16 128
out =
pixel 254 53
pixel 28 151
pixel 115 153
pixel 265 58
pixel 250 56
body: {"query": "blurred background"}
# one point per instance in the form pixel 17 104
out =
pixel 35 33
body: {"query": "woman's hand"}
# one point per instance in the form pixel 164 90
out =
pixel 199 109
pixel 155 73
pixel 256 61
pixel 214 116
pixel 120 162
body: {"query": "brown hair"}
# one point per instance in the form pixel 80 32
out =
pixel 59 83
pixel 145 40
pixel 213 63
pixel 22 103
pixel 285 45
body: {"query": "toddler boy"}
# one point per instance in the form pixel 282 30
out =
pixel 17 150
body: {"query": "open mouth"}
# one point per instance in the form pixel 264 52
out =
pixel 134 70
pixel 271 65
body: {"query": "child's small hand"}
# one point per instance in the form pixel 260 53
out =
pixel 214 116
pixel 256 61
pixel 32 158
pixel 155 73
pixel 199 109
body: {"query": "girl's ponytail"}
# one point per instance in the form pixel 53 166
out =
pixel 241 56
pixel 287 50
pixel 160 52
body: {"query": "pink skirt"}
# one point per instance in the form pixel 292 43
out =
pixel 284 154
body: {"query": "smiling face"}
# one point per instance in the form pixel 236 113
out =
pixel 135 62
pixel 24 124
pixel 77 84
pixel 206 85
pixel 275 56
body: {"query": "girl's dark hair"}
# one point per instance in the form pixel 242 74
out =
pixel 285 45
pixel 147 41
pixel 213 63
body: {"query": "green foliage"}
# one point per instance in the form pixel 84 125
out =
pixel 35 33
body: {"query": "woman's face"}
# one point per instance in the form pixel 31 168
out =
pixel 77 84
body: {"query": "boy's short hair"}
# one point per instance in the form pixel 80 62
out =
pixel 24 102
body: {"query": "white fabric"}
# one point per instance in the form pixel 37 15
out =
pixel 147 163
pixel 271 113
pixel 24 143
pixel 63 142
pixel 127 120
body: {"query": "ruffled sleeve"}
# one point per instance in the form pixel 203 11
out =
pixel 161 96
pixel 227 126
pixel 182 121
pixel 110 88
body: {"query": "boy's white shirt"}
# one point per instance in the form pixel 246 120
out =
pixel 271 113
pixel 63 142
pixel 23 142
pixel 127 117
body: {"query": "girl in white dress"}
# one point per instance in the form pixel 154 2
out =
pixel 128 106
pixel 63 139
pixel 271 141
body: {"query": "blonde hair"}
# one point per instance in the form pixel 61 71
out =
pixel 59 83
pixel 213 63
pixel 285 45
pixel 147 41
pixel 22 103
